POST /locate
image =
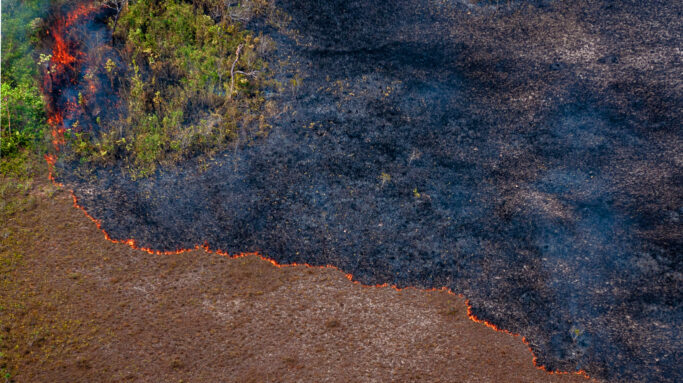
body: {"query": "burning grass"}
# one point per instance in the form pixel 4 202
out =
pixel 87 310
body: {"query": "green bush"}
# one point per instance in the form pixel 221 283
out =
pixel 178 84
pixel 22 119
pixel 22 111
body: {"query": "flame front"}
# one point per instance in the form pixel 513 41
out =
pixel 66 58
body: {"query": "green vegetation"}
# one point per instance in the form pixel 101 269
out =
pixel 22 132
pixel 192 81
pixel 23 119
pixel 23 123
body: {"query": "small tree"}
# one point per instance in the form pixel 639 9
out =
pixel 117 6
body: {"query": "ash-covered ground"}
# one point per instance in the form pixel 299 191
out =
pixel 526 154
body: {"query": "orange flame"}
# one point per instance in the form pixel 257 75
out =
pixel 56 122
pixel 62 56
pixel 60 51
pixel 82 10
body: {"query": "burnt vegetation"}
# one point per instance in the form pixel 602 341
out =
pixel 524 155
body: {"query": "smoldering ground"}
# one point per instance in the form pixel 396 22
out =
pixel 526 155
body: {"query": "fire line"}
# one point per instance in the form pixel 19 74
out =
pixel 63 58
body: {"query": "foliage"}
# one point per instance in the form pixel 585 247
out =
pixel 23 118
pixel 177 84
pixel 22 112
pixel 175 66
pixel 20 19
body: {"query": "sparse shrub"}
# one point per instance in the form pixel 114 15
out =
pixel 177 85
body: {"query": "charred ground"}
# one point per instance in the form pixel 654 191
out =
pixel 526 156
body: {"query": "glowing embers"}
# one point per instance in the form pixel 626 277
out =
pixel 82 10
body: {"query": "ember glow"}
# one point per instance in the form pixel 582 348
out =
pixel 60 52
pixel 65 57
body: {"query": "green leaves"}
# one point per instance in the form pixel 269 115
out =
pixel 22 111
pixel 22 117
pixel 18 26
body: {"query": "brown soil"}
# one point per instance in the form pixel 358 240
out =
pixel 75 307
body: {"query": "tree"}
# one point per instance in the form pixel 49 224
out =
pixel 117 6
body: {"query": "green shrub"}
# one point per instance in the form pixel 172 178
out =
pixel 177 87
pixel 23 123
pixel 22 118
